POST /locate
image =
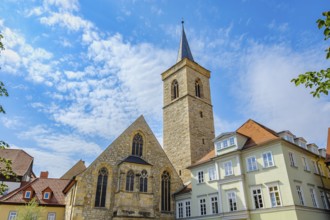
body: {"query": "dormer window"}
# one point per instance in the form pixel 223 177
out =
pixel 46 195
pixel 289 138
pixel 226 143
pixel 27 195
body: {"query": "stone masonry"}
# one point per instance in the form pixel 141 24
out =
pixel 188 120
pixel 121 204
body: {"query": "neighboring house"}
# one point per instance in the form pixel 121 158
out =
pixel 48 192
pixel 22 164
pixel 257 173
pixel 78 168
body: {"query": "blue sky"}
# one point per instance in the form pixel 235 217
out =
pixel 79 72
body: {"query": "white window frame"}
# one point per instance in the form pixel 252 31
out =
pixel 305 163
pixel 46 193
pixel 200 176
pixel 180 209
pixel 225 143
pixel 27 194
pixel 214 204
pixel 269 161
pixel 12 215
pixel 202 206
pixel 232 141
pixel 257 196
pixel 228 168
pixel 187 208
pixel 254 164
pixel 314 197
pixel 292 159
pixel 300 194
pixel 323 199
pixel 51 216
pixel 272 194
pixel 212 173
pixel 231 197
pixel 316 170
pixel 321 169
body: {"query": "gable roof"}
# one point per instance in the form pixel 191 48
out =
pixel 75 170
pixel 39 185
pixel 134 159
pixel 21 161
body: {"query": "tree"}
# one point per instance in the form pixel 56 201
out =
pixel 319 79
pixel 5 164
pixel 31 211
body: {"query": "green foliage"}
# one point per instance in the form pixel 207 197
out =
pixel 31 211
pixel 318 79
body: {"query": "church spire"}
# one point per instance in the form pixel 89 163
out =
pixel 184 50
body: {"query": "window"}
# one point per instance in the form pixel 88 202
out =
pixel 257 198
pixel 251 163
pixel 232 201
pixel 225 143
pixel 268 159
pixel 324 200
pixel 27 194
pixel 12 215
pixel 300 195
pixel 231 141
pixel 198 88
pixel 180 209
pixel 274 196
pixel 101 188
pixel 228 168
pixel 130 181
pixel 46 195
pixel 166 192
pixel 144 181
pixel 316 170
pixel 212 174
pixel 137 145
pixel 188 209
pixel 202 204
pixel 305 164
pixel 214 204
pixel 321 169
pixel 175 89
pixel 200 177
pixel 51 216
pixel 201 114
pixel 313 196
pixel 292 159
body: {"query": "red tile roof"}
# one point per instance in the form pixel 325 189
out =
pixel 39 185
pixel 21 161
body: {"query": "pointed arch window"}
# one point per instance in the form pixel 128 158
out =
pixel 101 189
pixel 175 89
pixel 144 181
pixel 166 192
pixel 137 145
pixel 198 88
pixel 130 181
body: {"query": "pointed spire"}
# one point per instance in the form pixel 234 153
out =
pixel 184 50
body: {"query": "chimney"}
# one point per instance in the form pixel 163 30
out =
pixel 43 174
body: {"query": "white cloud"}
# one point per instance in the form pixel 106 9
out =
pixel 64 19
pixel 268 96
pixel 69 144
pixel 11 123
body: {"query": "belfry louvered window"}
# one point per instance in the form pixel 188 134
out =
pixel 101 188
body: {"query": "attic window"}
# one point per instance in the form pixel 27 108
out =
pixel 27 194
pixel 46 195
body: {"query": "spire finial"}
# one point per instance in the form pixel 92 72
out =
pixel 184 50
pixel 182 22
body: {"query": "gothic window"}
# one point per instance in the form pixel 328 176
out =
pixel 130 181
pixel 166 192
pixel 175 89
pixel 198 88
pixel 137 145
pixel 101 188
pixel 144 181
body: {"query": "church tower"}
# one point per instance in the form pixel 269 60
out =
pixel 187 113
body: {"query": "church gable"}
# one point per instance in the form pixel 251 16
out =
pixel 125 180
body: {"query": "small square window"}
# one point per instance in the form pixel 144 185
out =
pixel 46 195
pixel 27 194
